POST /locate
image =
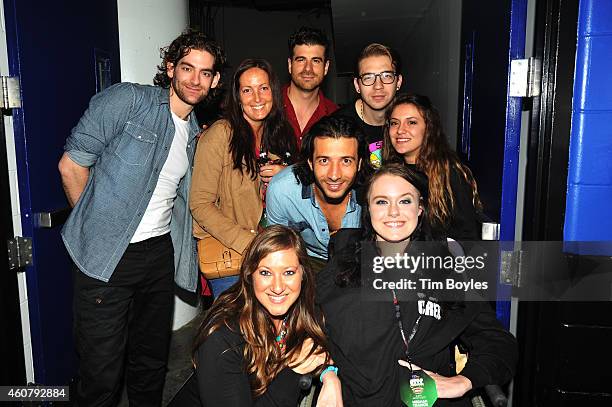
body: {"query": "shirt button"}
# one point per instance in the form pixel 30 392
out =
pixel 149 191
pixel 156 170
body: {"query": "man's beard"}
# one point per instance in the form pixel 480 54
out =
pixel 331 200
pixel 306 86
pixel 176 86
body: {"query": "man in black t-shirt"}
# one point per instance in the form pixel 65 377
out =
pixel 377 79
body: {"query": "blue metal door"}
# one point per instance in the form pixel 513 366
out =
pixel 491 120
pixel 60 51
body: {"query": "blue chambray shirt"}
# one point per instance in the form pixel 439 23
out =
pixel 124 138
pixel 292 204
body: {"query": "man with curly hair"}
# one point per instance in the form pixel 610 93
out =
pixel 126 170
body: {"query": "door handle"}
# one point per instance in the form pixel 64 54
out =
pixel 46 220
pixel 490 231
pixel 489 228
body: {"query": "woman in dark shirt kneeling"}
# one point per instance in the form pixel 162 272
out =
pixel 376 335
pixel 262 334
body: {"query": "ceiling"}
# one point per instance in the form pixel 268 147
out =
pixel 357 23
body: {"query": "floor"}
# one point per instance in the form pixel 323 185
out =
pixel 179 364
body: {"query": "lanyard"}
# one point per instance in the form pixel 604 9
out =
pixel 415 327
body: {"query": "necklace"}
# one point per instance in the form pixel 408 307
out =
pixel 282 335
pixel 361 110
pixel 362 117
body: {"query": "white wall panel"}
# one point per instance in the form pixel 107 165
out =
pixel 145 26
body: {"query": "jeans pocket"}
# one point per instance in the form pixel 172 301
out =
pixel 101 311
pixel 136 144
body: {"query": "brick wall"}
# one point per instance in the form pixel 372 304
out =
pixel 589 184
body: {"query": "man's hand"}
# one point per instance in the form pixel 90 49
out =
pixel 74 178
pixel 447 387
pixel 331 391
pixel 266 172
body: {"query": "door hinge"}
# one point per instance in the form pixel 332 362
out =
pixel 512 262
pixel 525 77
pixel 19 252
pixel 10 96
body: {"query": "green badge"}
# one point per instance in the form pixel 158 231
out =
pixel 420 391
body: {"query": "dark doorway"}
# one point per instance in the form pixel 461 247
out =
pixel 558 342
pixel 482 117
pixel 12 371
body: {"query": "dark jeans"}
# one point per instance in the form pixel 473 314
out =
pixel 218 285
pixel 126 323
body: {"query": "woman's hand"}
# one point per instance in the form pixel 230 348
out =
pixel 447 387
pixel 331 391
pixel 266 172
pixel 303 363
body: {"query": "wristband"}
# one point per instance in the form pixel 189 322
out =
pixel 330 368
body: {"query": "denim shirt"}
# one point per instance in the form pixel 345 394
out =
pixel 292 204
pixel 124 138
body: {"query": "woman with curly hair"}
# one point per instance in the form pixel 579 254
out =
pixel 413 135
pixel 236 158
pixel 262 334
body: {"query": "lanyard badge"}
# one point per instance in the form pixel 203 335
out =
pixel 419 391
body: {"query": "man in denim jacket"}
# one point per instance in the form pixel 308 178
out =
pixel 126 170
pixel 318 195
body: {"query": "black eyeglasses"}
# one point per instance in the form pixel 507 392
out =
pixel 386 77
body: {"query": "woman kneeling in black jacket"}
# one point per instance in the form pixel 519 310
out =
pixel 376 336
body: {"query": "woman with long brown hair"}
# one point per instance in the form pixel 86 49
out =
pixel 413 135
pixel 263 333
pixel 236 158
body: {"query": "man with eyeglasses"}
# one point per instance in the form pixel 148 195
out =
pixel 377 79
